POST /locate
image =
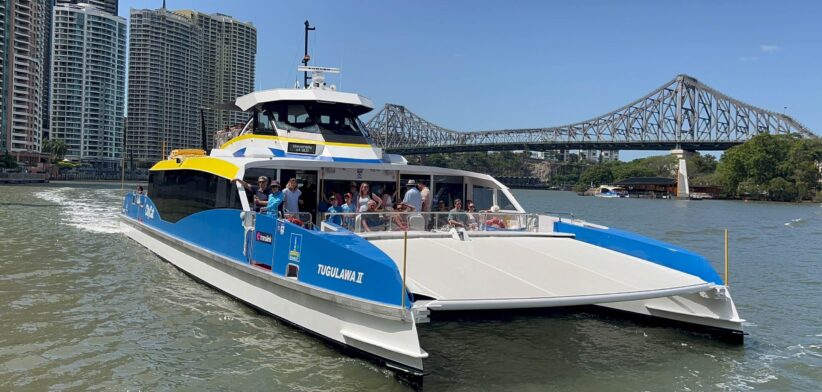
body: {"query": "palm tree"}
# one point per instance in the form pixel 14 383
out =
pixel 56 148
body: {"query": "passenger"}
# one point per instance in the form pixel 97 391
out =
pixel 139 195
pixel 387 202
pixel 400 219
pixel 371 220
pixel 352 188
pixel 472 215
pixel 257 194
pixel 348 208
pixel 425 192
pixel 440 215
pixel 333 210
pixel 495 222
pixel 292 196
pixel 413 196
pixel 364 196
pixel 275 198
pixel 457 217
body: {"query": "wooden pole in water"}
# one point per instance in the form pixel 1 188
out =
pixel 404 263
pixel 726 258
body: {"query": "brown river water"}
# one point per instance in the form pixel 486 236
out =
pixel 82 307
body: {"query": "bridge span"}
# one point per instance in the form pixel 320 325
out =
pixel 681 114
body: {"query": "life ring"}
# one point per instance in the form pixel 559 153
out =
pixel 295 220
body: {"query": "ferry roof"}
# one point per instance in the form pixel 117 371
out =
pixel 359 103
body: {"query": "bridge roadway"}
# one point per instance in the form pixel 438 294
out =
pixel 681 114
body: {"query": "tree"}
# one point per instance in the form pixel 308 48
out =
pixel 8 161
pixel 782 166
pixel 56 148
pixel 780 189
pixel 596 175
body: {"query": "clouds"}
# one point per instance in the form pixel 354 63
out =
pixel 767 48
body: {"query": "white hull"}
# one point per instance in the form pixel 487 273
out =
pixel 389 338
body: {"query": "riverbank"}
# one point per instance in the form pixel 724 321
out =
pixel 23 178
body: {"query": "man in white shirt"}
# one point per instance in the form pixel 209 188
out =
pixel 413 197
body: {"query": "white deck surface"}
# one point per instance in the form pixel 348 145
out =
pixel 527 268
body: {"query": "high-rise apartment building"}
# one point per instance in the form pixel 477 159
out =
pixel 23 67
pixel 88 82
pixel 229 51
pixel 164 74
pixel 180 62
pixel 109 6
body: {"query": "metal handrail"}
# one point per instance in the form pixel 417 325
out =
pixel 434 221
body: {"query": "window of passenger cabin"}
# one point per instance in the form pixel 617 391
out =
pixel 483 198
pixel 180 193
pixel 504 202
pixel 447 189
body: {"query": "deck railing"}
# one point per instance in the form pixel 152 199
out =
pixel 392 221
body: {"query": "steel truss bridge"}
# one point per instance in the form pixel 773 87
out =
pixel 682 114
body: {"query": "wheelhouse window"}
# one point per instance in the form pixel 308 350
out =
pixel 180 193
pixel 264 123
pixel 315 117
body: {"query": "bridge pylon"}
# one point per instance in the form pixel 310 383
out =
pixel 683 190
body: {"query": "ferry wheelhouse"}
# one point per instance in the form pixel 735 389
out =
pixel 368 287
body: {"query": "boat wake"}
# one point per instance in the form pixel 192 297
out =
pixel 93 210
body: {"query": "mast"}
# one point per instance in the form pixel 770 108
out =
pixel 306 57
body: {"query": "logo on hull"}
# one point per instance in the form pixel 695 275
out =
pixel 264 237
pixel 295 246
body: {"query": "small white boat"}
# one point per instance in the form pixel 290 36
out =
pixel 611 192
pixel 369 280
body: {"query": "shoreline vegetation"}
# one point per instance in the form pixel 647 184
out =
pixel 766 167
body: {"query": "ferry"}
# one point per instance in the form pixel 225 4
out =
pixel 368 280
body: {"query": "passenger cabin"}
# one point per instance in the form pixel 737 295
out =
pixel 315 136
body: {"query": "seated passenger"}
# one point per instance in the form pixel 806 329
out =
pixel 275 198
pixel 494 222
pixel 472 215
pixel 399 222
pixel 457 217
pixel 371 219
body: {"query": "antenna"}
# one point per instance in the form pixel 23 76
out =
pixel 306 57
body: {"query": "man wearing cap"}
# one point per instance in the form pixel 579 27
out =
pixel 333 210
pixel 257 194
pixel 413 197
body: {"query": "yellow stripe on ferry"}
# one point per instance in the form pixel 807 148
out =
pixel 292 140
pixel 214 166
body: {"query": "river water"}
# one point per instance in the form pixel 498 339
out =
pixel 82 307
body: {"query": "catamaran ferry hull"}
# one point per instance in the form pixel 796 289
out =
pixel 377 331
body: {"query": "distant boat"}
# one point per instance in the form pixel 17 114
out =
pixel 610 192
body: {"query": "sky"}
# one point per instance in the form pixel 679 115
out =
pixel 482 65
